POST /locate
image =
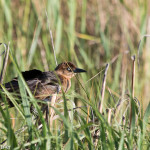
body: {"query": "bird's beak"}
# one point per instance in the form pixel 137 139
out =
pixel 78 70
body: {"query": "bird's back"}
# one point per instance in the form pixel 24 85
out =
pixel 41 84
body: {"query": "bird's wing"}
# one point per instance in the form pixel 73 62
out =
pixel 13 85
pixel 32 74
pixel 48 85
pixel 41 84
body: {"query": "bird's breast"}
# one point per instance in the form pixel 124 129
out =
pixel 65 83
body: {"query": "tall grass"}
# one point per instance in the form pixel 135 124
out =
pixel 90 34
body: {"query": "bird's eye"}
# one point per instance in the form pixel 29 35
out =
pixel 68 69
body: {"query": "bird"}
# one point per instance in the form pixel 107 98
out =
pixel 44 84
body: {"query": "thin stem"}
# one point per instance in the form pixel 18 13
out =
pixel 132 86
pixel 4 63
pixel 50 32
pixel 103 89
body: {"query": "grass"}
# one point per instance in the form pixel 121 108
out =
pixel 90 34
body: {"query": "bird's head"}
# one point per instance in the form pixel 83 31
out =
pixel 68 69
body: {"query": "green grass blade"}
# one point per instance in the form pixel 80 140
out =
pixel 11 98
pixel 25 103
pixel 121 144
pixel 34 44
pixel 146 118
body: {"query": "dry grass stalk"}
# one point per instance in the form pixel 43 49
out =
pixel 51 110
pixel 50 32
pixel 133 82
pixel 109 115
pixel 103 89
pixel 4 62
pixel 133 75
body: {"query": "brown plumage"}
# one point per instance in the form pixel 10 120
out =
pixel 45 84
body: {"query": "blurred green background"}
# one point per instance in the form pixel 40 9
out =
pixel 90 33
